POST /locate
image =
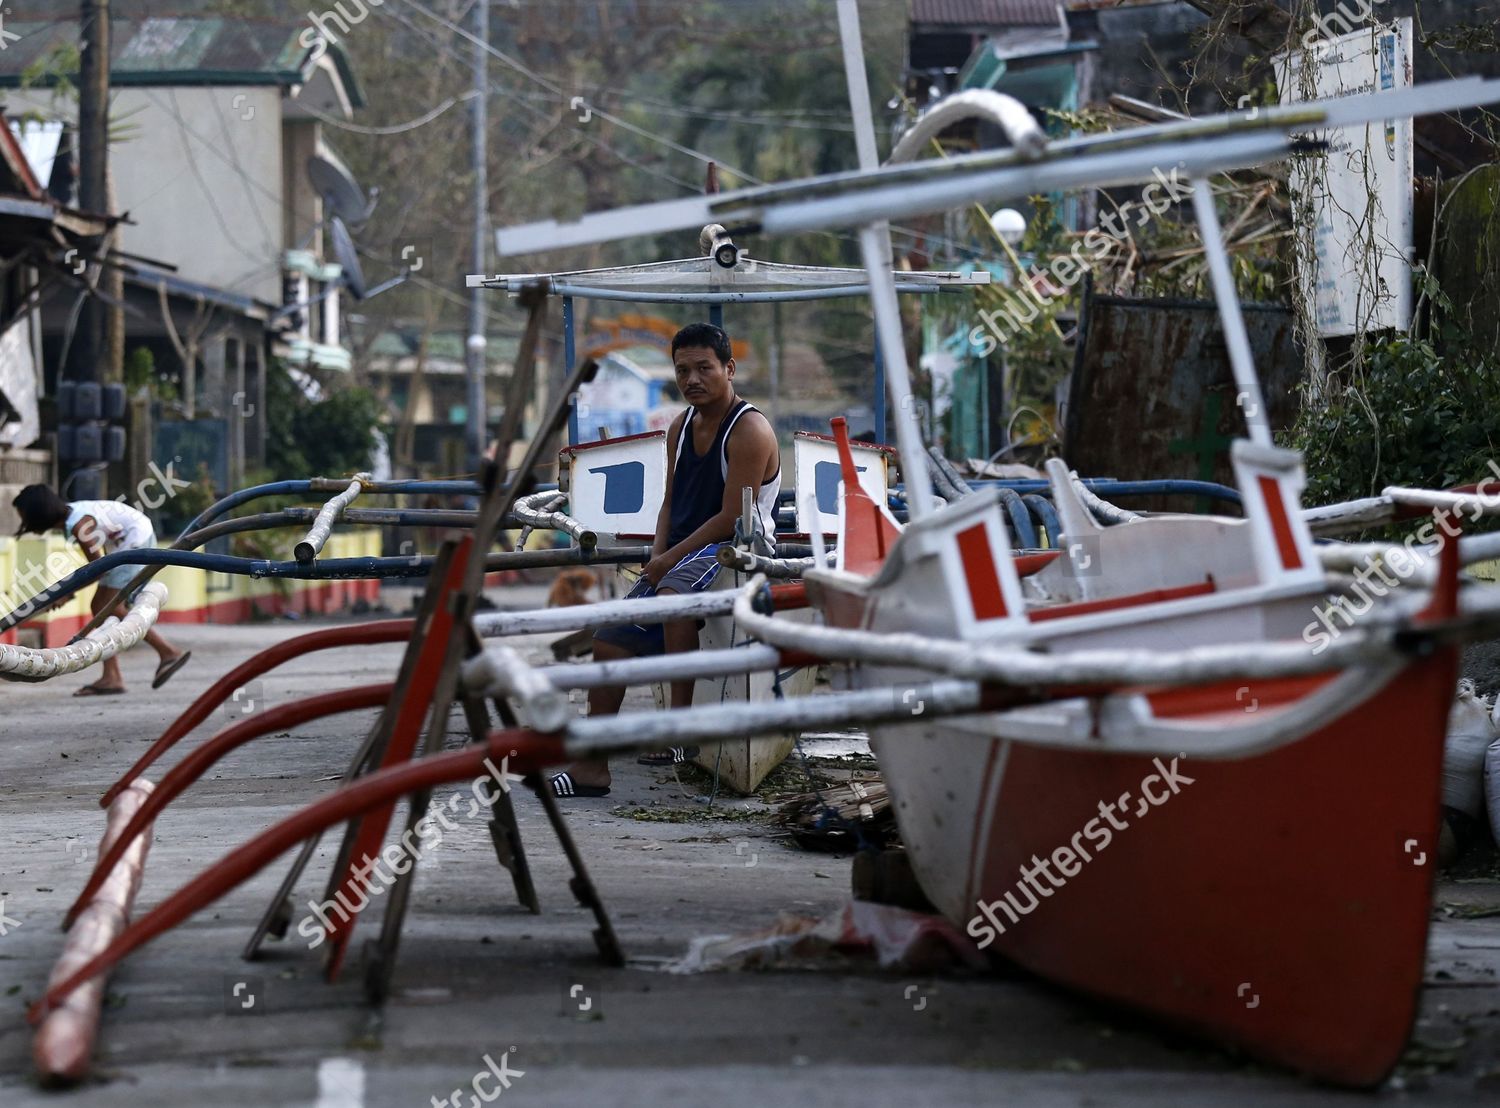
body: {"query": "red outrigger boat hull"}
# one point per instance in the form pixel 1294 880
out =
pixel 1279 903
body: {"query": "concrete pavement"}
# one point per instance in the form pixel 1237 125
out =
pixel 485 988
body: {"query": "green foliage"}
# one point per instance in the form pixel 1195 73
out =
pixel 329 438
pixel 1408 416
pixel 56 70
pixel 141 373
pixel 1414 410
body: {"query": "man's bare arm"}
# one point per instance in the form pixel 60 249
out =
pixel 664 517
pixel 86 531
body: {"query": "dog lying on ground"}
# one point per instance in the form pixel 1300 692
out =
pixel 573 587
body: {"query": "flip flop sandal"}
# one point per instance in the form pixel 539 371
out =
pixel 563 785
pixel 99 690
pixel 672 756
pixel 166 669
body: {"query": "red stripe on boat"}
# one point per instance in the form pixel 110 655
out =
pixel 1135 599
pixel 1027 564
pixel 979 571
pixel 1243 695
pixel 1281 527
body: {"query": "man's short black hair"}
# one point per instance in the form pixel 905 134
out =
pixel 706 335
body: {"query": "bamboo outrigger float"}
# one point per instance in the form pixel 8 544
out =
pixel 1158 731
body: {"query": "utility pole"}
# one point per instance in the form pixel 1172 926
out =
pixel 93 167
pixel 475 364
pixel 85 366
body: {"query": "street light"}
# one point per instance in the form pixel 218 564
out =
pixel 1009 224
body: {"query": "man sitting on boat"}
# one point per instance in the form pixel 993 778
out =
pixel 719 445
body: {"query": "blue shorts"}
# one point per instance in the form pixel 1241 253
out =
pixel 119 577
pixel 695 573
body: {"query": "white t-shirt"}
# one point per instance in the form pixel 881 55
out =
pixel 120 526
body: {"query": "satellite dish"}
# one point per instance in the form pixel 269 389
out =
pixel 347 256
pixel 341 193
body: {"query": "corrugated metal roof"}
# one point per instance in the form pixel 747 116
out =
pixel 985 13
pixel 160 45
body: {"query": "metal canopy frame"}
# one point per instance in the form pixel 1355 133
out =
pixel 1189 150
pixel 705 280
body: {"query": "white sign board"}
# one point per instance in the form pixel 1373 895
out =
pixel 617 487
pixel 815 464
pixel 1357 195
pixel 18 385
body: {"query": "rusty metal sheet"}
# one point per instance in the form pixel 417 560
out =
pixel 1153 396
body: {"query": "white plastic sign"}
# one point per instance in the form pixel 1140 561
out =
pixel 617 486
pixel 816 468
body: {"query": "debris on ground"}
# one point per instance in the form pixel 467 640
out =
pixel 841 817
pixel 898 939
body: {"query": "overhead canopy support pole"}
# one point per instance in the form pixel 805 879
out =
pixel 476 360
pixel 570 352
pixel 1241 361
pixel 875 248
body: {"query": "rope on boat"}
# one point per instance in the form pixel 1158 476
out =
pixel 23 663
pixel 945 478
pixel 1107 513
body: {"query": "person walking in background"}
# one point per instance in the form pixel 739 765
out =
pixel 100 527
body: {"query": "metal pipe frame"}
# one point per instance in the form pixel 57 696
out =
pixel 286 517
pixel 331 569
pixel 537 511
pixel 256 492
pixel 505 671
pixel 481 678
pixel 1380 640
pixel 317 535
pixel 985 104
pixel 615 613
pixel 64 1042
pixel 1041 508
pixel 831 292
pixel 1020 519
pixel 1109 486
pixel 747 561
pixel 191 768
pixel 366 794
pixel 528 754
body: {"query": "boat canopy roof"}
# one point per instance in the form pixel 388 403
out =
pixel 706 281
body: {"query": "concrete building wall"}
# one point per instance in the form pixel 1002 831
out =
pixel 199 170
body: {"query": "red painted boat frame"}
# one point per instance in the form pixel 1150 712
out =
pixel 191 768
pixel 358 634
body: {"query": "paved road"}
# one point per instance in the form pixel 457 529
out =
pixel 484 986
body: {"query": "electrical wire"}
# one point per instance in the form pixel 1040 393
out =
pixel 394 128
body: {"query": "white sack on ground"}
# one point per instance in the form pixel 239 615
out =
pixel 1470 733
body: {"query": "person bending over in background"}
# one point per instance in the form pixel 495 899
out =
pixel 100 527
